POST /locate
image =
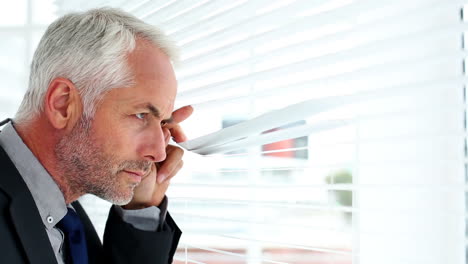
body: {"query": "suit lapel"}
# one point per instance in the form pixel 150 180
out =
pixel 24 214
pixel 31 231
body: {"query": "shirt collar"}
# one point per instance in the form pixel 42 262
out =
pixel 45 192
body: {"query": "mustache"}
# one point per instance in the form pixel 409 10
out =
pixel 135 165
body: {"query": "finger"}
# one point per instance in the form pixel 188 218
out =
pixel 182 113
pixel 178 134
pixel 174 172
pixel 178 116
pixel 174 155
pixel 152 169
pixel 167 135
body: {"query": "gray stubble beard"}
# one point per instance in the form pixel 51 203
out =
pixel 87 168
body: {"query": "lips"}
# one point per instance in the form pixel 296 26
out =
pixel 137 173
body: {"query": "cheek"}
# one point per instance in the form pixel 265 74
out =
pixel 116 140
pixel 123 142
pixel 139 142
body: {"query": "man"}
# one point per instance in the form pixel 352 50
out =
pixel 97 118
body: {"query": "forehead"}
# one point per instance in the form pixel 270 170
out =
pixel 154 77
pixel 148 62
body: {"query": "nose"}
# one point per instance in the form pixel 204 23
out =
pixel 155 143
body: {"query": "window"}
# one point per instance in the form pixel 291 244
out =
pixel 341 124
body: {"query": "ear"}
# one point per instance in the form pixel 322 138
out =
pixel 63 105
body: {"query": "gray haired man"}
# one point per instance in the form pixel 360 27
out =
pixel 96 118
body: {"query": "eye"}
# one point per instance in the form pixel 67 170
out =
pixel 141 116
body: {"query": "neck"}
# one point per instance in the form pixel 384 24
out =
pixel 42 145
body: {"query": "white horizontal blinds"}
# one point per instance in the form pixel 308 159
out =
pixel 233 83
pixel 330 131
pixel 380 88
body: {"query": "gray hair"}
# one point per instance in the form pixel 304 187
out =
pixel 90 49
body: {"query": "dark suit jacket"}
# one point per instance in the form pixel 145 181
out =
pixel 23 238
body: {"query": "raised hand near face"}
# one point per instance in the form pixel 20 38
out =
pixel 153 187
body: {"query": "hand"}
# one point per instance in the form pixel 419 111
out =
pixel 153 187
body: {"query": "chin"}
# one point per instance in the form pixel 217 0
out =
pixel 120 201
pixel 120 197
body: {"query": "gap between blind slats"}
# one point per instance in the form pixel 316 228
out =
pixel 361 49
pixel 279 117
pixel 301 24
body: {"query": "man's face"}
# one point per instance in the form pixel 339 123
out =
pixel 127 133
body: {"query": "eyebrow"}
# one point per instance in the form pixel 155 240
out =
pixel 155 112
